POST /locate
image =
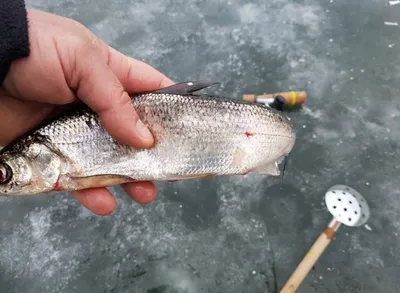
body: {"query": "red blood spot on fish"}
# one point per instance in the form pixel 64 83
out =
pixel 247 133
pixel 58 187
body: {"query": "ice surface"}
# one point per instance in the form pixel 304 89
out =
pixel 241 234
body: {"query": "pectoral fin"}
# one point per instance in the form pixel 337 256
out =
pixel 99 181
pixel 271 169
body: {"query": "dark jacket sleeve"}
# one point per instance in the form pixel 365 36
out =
pixel 14 39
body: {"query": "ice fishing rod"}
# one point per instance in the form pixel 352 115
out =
pixel 278 100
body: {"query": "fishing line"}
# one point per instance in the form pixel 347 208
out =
pixel 284 167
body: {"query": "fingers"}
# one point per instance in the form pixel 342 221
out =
pixel 141 192
pixel 101 90
pixel 135 75
pixel 98 200
pixel 101 202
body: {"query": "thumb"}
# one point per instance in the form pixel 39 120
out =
pixel 100 89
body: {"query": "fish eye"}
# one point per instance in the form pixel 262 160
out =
pixel 5 173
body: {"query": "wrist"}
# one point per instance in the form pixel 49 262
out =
pixel 14 38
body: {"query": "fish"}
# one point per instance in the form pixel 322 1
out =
pixel 196 136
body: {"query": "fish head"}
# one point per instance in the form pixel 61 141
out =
pixel 27 170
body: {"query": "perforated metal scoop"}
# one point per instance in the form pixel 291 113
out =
pixel 348 207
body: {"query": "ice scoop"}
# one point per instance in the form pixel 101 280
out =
pixel 347 207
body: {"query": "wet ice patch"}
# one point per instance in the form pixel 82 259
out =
pixel 269 35
pixel 178 279
pixel 33 250
pixel 236 199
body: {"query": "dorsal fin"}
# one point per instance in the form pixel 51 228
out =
pixel 185 88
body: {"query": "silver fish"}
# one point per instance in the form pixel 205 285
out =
pixel 195 136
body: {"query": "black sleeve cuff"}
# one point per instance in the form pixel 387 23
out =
pixel 14 39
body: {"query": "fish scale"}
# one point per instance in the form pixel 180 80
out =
pixel 195 136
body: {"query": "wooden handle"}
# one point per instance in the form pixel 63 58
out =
pixel 310 259
pixel 291 98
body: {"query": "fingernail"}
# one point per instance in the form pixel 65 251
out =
pixel 143 130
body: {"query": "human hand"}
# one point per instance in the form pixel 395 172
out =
pixel 66 63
